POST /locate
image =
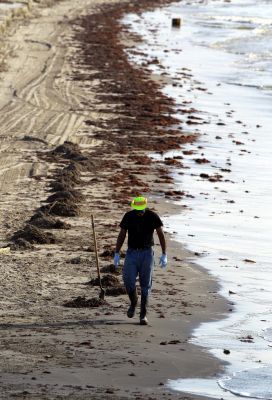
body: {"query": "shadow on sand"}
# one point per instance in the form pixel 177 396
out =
pixel 66 324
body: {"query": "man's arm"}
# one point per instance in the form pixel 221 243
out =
pixel 161 239
pixel 120 240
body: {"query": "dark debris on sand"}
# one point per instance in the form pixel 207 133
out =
pixel 116 291
pixel 111 284
pixel 82 302
pixel 106 281
pixel 64 202
pixel 33 235
pixel 41 220
pixel 110 268
pixel 72 194
pixel 62 208
pixel 21 244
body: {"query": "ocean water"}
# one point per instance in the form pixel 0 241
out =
pixel 220 64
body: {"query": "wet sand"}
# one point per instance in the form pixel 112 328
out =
pixel 67 79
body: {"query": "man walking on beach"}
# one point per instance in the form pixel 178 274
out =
pixel 140 224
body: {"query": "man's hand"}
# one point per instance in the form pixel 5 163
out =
pixel 163 261
pixel 116 260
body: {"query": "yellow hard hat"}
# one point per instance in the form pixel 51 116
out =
pixel 139 203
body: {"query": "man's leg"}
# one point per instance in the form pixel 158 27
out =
pixel 130 273
pixel 145 276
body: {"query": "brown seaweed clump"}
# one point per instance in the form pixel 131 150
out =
pixel 110 268
pixel 69 175
pixel 106 281
pixel 72 195
pixel 107 254
pixel 33 235
pixel 65 201
pixel 43 221
pixel 111 284
pixel 71 151
pixel 116 291
pixel 82 302
pixel 67 150
pixel 60 187
pixel 21 244
pixel 62 208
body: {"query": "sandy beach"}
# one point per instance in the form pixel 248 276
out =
pixel 78 122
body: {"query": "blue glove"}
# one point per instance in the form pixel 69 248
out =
pixel 116 259
pixel 163 261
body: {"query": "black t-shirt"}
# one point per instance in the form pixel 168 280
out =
pixel 140 228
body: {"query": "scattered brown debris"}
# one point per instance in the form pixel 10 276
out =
pixel 201 160
pixel 247 339
pixel 211 178
pixel 174 341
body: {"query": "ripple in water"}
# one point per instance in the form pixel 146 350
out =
pixel 255 382
pixel 268 334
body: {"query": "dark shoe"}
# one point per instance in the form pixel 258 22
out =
pixel 131 311
pixel 133 300
pixel 144 304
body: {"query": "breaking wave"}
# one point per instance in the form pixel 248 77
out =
pixel 255 383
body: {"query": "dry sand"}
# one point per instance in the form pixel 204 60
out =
pixel 53 90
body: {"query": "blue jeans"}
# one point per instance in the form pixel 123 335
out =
pixel 139 262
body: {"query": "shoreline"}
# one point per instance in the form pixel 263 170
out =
pixel 233 237
pixel 148 366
